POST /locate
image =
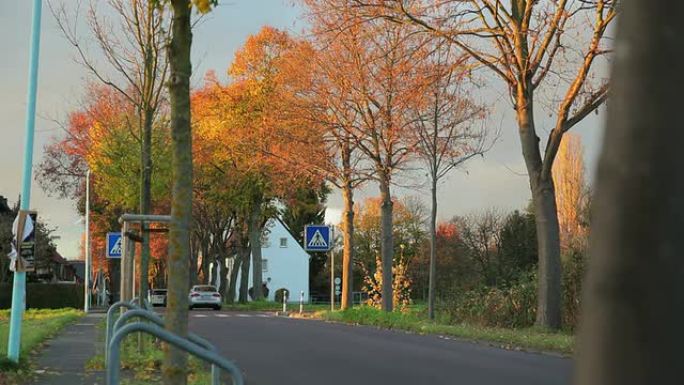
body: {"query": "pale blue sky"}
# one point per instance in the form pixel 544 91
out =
pixel 496 181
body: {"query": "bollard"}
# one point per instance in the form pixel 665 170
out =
pixel 285 302
pixel 301 302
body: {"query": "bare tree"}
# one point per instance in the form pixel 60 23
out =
pixel 132 44
pixel 446 136
pixel 631 331
pixel 327 109
pixel 528 44
pixel 375 66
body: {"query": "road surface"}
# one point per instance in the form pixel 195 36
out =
pixel 281 351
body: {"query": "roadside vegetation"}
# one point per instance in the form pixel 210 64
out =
pixel 416 321
pixel 38 326
pixel 272 306
pixel 144 368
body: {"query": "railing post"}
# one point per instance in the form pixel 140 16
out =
pixel 284 302
pixel 301 302
pixel 110 313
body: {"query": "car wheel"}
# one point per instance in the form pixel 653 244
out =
pixel 190 307
pixel 217 307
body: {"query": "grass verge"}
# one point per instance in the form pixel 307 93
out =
pixel 38 325
pixel 532 339
pixel 144 368
pixel 272 306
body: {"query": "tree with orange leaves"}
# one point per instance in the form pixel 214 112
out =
pixel 373 68
pixel 99 138
pixel 250 125
pixel 541 50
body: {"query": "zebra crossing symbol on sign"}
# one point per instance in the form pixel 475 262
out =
pixel 113 245
pixel 317 238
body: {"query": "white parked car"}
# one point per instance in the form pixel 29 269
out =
pixel 156 297
pixel 205 296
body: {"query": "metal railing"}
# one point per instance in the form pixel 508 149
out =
pixel 114 358
pixel 194 344
pixel 110 313
pixel 157 320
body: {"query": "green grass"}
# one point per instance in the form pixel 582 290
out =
pixel 37 326
pixel 413 321
pixel 144 368
pixel 271 306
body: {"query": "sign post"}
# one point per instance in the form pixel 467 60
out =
pixel 114 245
pixel 19 284
pixel 320 238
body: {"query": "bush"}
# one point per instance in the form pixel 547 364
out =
pixel 515 306
pixel 45 296
pixel 279 294
pixel 512 307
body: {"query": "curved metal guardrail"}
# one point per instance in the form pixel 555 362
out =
pixel 114 358
pixel 110 313
pixel 192 337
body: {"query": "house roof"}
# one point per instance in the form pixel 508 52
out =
pixel 289 232
pixel 79 268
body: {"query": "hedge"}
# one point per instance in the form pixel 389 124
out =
pixel 45 295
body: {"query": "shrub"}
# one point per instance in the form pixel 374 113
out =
pixel 515 306
pixel 279 294
pixel 512 307
pixel 46 296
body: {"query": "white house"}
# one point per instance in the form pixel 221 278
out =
pixel 284 262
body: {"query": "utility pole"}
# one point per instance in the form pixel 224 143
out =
pixel 86 279
pixel 332 280
pixel 19 284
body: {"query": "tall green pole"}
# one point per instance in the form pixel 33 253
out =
pixel 19 287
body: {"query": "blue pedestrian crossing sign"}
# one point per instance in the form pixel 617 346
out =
pixel 113 245
pixel 317 238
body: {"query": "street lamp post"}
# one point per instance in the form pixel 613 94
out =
pixel 86 278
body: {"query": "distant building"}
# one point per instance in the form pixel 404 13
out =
pixel 285 264
pixel 56 268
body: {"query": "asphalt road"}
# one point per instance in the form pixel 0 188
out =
pixel 280 351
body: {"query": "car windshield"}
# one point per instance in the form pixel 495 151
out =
pixel 204 288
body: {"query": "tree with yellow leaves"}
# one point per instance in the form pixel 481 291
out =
pixel 568 178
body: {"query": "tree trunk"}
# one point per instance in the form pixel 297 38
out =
pixel 546 215
pixel 548 246
pixel 348 247
pixel 255 246
pixel 175 361
pixel 232 280
pixel 244 276
pixel 145 197
pixel 631 331
pixel 432 279
pixel 194 257
pixel 386 243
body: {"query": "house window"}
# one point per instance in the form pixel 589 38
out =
pixel 265 241
pixel 283 242
pixel 264 265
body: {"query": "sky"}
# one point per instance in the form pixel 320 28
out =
pixel 498 180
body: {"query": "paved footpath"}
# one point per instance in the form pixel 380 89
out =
pixel 64 358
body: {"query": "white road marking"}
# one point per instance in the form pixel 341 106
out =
pixel 244 315
pixel 222 315
pixel 200 316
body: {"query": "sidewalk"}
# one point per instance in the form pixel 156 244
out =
pixel 65 356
